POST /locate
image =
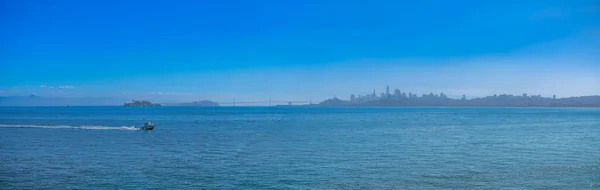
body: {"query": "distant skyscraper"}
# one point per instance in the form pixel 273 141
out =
pixel 387 91
pixel 352 97
pixel 374 94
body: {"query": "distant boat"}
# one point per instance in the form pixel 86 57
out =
pixel 147 126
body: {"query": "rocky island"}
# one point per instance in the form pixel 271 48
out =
pixel 143 103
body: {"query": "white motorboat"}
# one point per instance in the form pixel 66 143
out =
pixel 147 126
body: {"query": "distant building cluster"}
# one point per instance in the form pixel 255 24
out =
pixel 397 95
pixel 399 98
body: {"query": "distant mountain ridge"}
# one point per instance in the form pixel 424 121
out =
pixel 33 100
pixel 198 103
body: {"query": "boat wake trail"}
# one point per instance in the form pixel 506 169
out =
pixel 70 127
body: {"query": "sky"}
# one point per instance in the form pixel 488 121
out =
pixel 178 51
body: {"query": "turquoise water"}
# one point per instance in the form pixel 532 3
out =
pixel 299 148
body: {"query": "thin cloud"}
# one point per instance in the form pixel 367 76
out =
pixel 66 87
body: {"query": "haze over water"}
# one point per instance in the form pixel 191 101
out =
pixel 299 148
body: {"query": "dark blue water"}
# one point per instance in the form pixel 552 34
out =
pixel 299 148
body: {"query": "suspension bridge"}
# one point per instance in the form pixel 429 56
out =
pixel 264 103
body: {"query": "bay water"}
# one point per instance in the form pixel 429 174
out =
pixel 299 148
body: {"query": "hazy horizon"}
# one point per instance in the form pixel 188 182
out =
pixel 181 52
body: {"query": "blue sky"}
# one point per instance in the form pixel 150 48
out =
pixel 252 50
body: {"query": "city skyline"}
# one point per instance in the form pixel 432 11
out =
pixel 399 98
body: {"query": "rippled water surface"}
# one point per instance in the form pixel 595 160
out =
pixel 299 148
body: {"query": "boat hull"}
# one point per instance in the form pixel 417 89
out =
pixel 146 128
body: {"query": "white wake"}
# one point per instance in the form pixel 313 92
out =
pixel 70 127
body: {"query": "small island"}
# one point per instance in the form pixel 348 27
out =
pixel 200 103
pixel 143 103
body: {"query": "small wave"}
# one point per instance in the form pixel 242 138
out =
pixel 70 127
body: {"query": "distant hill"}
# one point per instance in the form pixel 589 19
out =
pixel 334 102
pixel 34 100
pixel 198 103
